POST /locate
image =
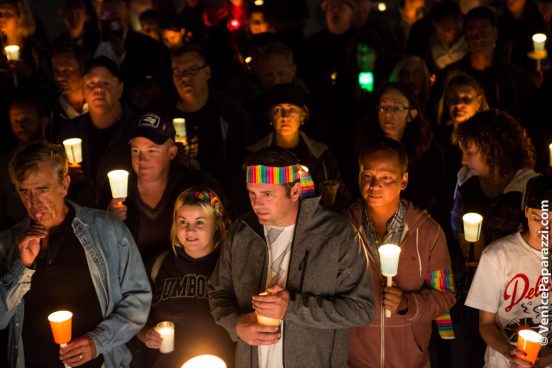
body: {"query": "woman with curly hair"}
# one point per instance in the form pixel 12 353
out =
pixel 498 159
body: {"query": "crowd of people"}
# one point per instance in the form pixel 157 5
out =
pixel 266 167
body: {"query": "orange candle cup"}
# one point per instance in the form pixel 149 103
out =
pixel 60 323
pixel 267 321
pixel 529 342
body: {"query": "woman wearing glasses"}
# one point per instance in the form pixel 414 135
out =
pixel 287 111
pixel 398 117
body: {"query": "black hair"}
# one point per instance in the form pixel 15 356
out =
pixel 77 52
pixel 481 13
pixel 387 145
pixel 443 10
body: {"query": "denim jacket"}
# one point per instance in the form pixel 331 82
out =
pixel 118 275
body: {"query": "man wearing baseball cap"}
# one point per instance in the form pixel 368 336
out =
pixel 154 184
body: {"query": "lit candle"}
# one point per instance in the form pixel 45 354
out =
pixel 73 148
pixel 550 149
pixel 205 361
pixel 267 321
pixel 529 342
pixel 538 42
pixel 180 128
pixel 472 226
pixel 118 181
pixel 12 52
pixel 166 330
pixel 61 325
pixel 389 262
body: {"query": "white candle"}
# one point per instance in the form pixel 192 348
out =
pixel 73 148
pixel 12 52
pixel 166 330
pixel 538 42
pixel 118 181
pixel 389 259
pixel 472 226
pixel 389 263
pixel 205 361
pixel 180 128
pixel 550 148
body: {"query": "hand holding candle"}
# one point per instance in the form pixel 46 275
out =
pixel 267 321
pixel 389 260
pixel 166 330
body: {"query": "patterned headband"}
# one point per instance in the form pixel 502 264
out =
pixel 212 199
pixel 260 174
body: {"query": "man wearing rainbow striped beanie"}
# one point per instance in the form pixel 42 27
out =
pixel 307 262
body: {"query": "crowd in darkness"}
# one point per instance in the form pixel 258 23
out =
pixel 456 83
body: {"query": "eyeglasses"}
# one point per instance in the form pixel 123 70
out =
pixel 393 109
pixel 284 112
pixel 465 100
pixel 190 72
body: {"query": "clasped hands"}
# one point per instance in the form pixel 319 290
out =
pixel 273 305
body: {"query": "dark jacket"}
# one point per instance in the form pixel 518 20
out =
pixel 328 280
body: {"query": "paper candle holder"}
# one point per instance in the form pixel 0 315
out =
pixel 12 52
pixel 389 259
pixel 180 128
pixel 472 226
pixel 73 148
pixel 118 181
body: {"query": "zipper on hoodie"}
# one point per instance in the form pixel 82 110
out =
pixel 303 269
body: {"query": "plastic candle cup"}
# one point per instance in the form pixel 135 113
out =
pixel 166 330
pixel 118 181
pixel 472 226
pixel 60 323
pixel 205 361
pixel 267 321
pixel 12 52
pixel 389 259
pixel 529 342
pixel 73 148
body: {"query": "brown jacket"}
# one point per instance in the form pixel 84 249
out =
pixel 402 340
